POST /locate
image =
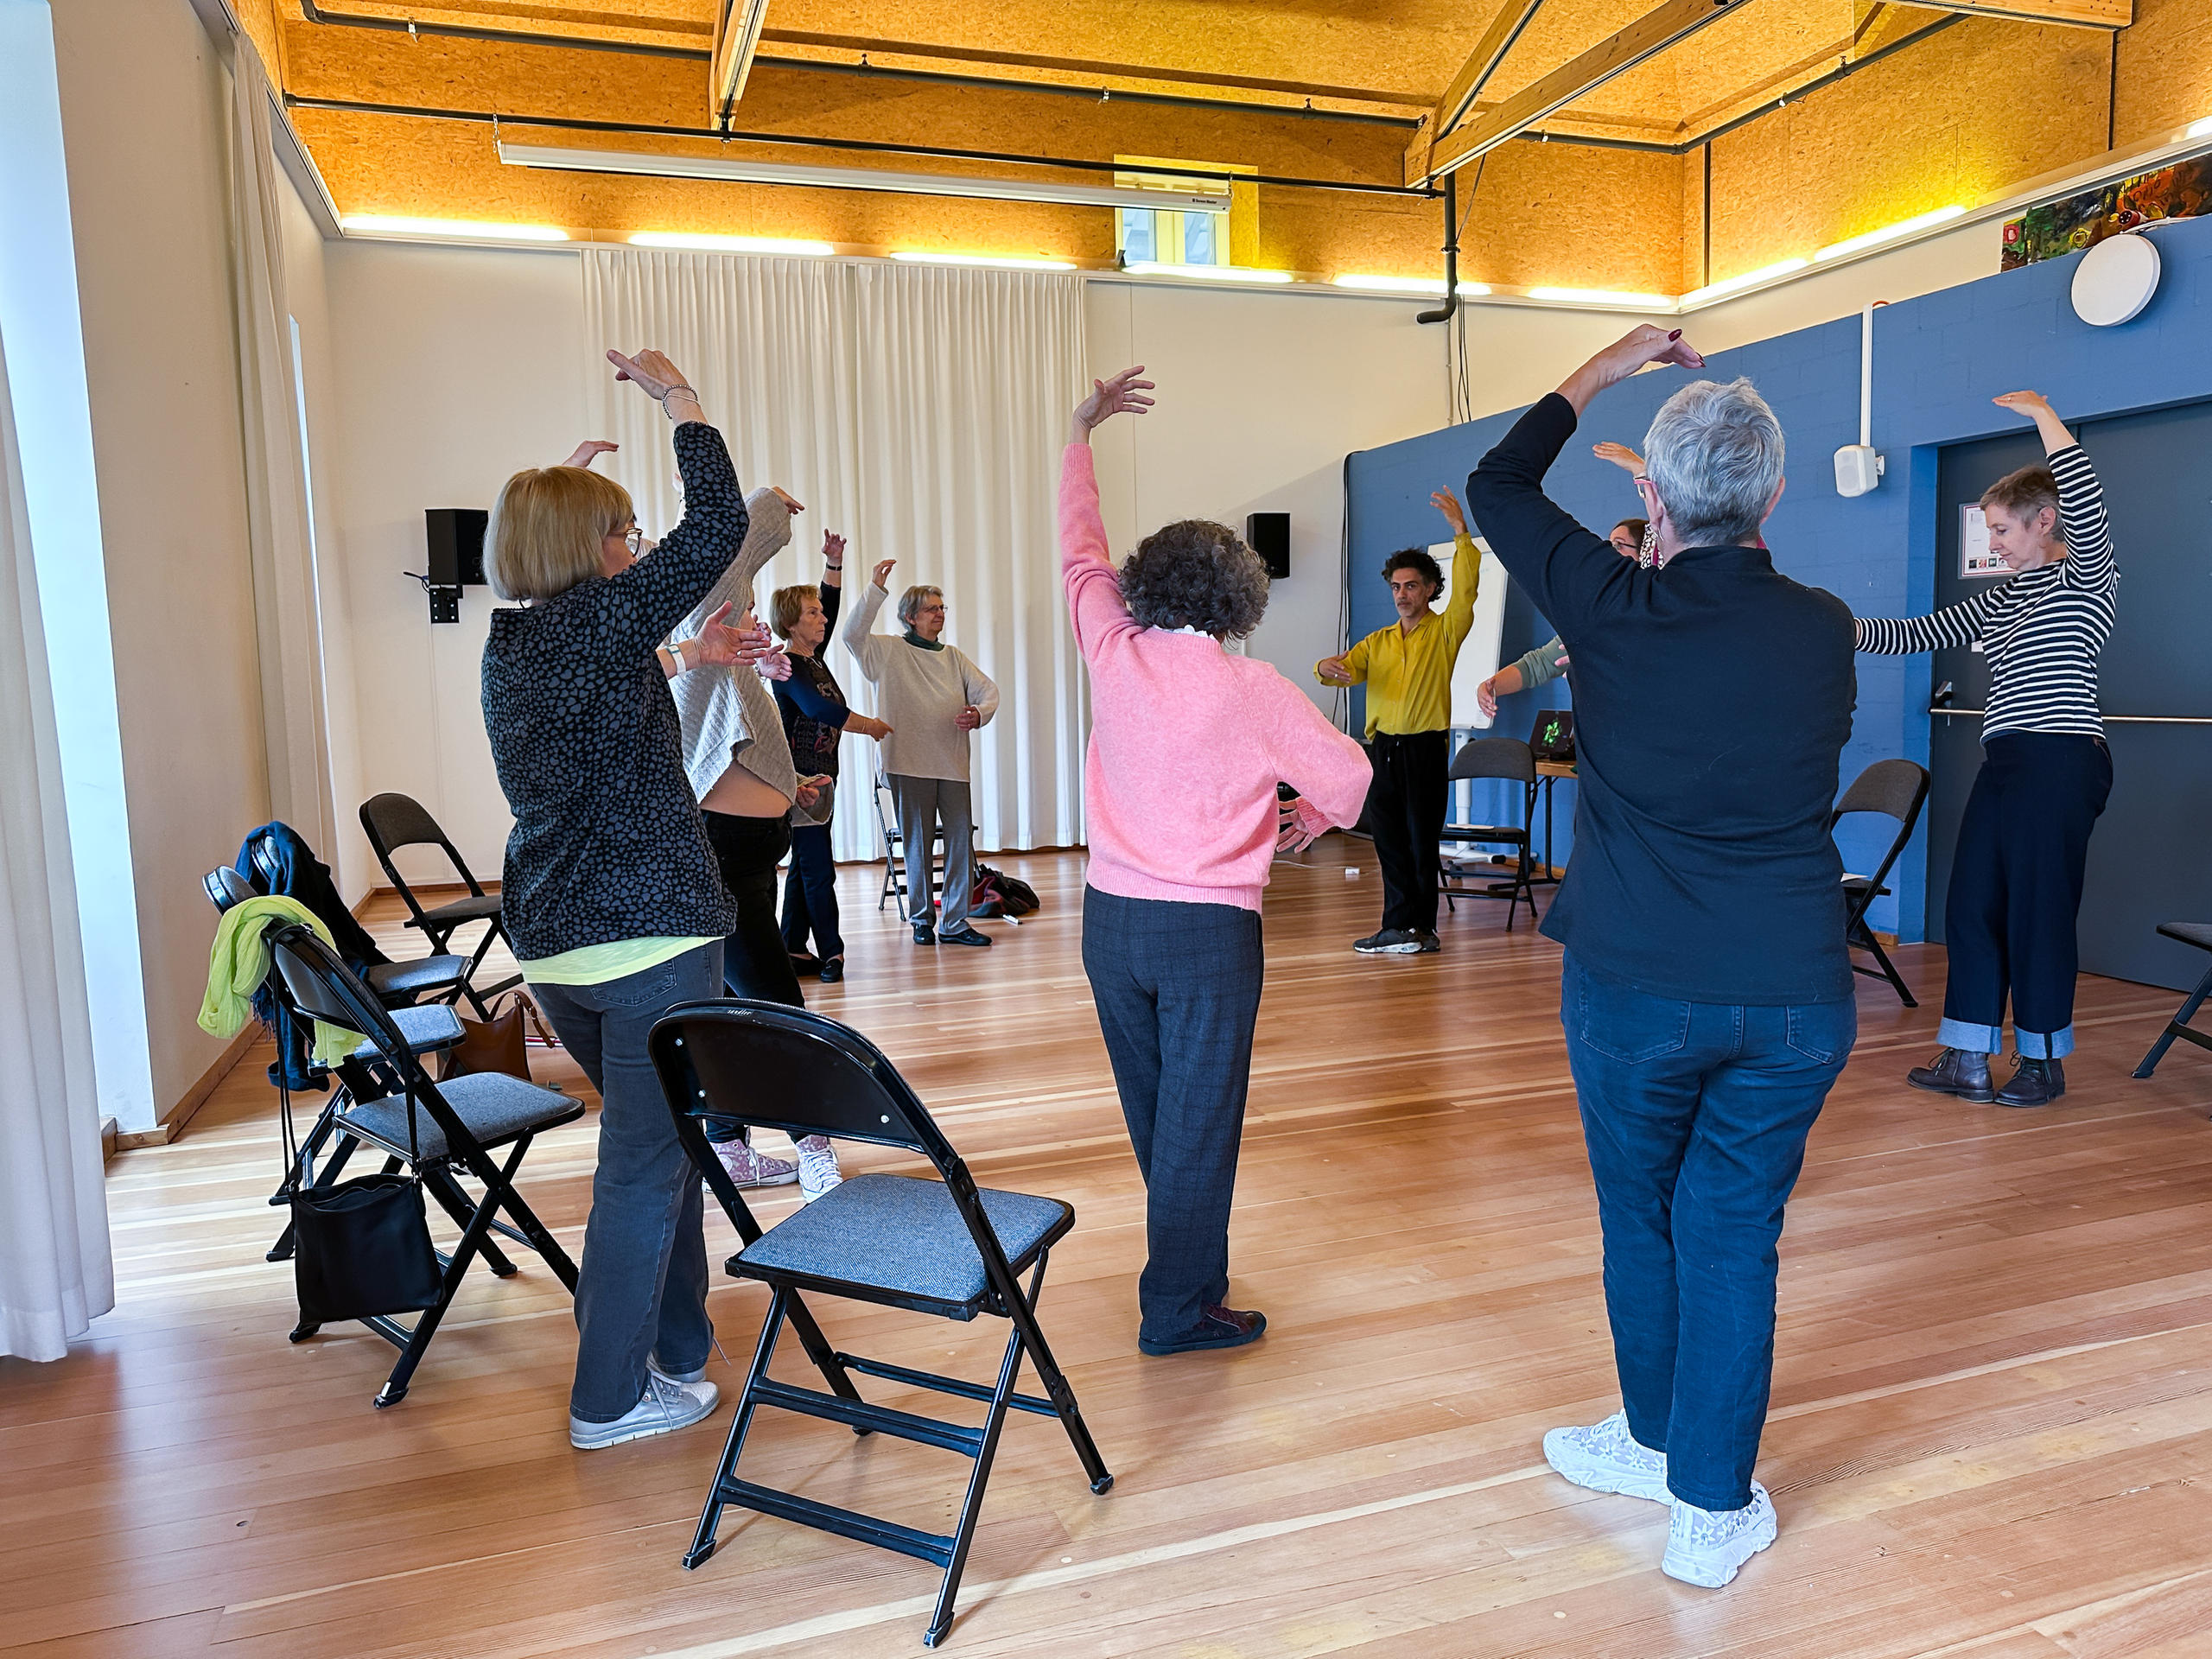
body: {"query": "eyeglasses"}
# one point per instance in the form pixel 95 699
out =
pixel 634 539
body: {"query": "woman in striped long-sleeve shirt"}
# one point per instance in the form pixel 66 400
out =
pixel 2015 877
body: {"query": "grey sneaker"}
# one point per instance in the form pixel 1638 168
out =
pixel 1606 1458
pixel 1707 1547
pixel 1390 942
pixel 667 1405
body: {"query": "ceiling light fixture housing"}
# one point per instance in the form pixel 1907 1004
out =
pixel 1207 273
pixel 741 170
pixel 992 261
pixel 1903 227
pixel 699 242
pixel 459 229
pixel 1605 297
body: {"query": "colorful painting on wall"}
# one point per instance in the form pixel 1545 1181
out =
pixel 2181 191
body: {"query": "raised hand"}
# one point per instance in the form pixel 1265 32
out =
pixel 1125 392
pixel 650 371
pixel 1646 343
pixel 792 503
pixel 1620 454
pixel 883 574
pixel 2023 403
pixel 2037 408
pixel 1448 504
pixel 719 644
pixel 833 548
pixel 589 450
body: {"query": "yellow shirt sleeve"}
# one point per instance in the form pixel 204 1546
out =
pixel 1466 578
pixel 1354 663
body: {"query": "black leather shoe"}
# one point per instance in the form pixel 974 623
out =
pixel 1218 1327
pixel 831 971
pixel 1955 1072
pixel 925 933
pixel 966 935
pixel 2037 1083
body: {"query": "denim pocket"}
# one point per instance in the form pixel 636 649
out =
pixel 1823 1032
pixel 658 983
pixel 1627 1025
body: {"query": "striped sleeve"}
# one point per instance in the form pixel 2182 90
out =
pixel 1954 625
pixel 2089 560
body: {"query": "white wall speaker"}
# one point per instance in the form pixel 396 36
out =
pixel 2115 280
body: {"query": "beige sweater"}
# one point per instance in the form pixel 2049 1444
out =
pixel 919 693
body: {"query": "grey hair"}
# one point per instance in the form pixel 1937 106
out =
pixel 911 601
pixel 1714 454
pixel 1195 574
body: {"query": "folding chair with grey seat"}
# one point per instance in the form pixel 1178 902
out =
pixel 1509 761
pixel 895 853
pixel 1898 788
pixel 429 1029
pixel 938 1247
pixel 454 1128
pixel 392 821
pixel 2199 935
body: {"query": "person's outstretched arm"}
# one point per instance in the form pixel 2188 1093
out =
pixel 1349 668
pixel 1094 590
pixel 1902 636
pixel 1565 568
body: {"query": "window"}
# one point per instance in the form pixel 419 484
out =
pixel 1166 236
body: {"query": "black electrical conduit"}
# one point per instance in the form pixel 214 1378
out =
pixel 577 124
pixel 820 65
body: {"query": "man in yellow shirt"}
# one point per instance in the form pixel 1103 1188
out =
pixel 1407 668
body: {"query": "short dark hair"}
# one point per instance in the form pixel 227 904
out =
pixel 1195 574
pixel 1637 527
pixel 1418 562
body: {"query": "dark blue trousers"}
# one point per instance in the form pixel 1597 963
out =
pixel 1696 1115
pixel 1176 987
pixel 811 894
pixel 2015 892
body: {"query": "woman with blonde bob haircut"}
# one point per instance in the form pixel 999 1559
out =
pixel 610 890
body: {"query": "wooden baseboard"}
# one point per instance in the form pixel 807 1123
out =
pixel 107 1138
pixel 174 1120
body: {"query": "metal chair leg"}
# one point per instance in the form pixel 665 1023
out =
pixel 440 1185
pixel 971 1501
pixel 2178 1027
pixel 702 1540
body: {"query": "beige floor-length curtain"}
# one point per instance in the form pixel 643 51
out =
pixel 920 412
pixel 56 1273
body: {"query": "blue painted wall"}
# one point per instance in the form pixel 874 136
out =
pixel 1938 360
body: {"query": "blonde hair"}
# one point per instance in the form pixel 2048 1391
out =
pixel 544 536
pixel 786 605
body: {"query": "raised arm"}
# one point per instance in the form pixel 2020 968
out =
pixel 659 590
pixel 1095 604
pixel 2089 564
pixel 859 633
pixel 1467 581
pixel 831 589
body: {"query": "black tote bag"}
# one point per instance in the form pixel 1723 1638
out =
pixel 362 1248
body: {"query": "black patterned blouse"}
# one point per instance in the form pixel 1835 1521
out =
pixel 608 844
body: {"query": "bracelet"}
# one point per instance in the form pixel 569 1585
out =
pixel 671 392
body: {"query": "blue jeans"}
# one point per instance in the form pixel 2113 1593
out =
pixel 1696 1115
pixel 642 1285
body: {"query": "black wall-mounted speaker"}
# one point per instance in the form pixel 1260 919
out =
pixel 457 535
pixel 1268 534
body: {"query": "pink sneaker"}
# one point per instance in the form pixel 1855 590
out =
pixel 749 1169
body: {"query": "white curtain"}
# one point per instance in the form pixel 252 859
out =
pixel 56 1273
pixel 286 628
pixel 919 410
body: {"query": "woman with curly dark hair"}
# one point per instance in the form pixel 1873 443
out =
pixel 1187 743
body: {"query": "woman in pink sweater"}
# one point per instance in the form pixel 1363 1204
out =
pixel 1187 744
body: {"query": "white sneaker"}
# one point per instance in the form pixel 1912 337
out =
pixel 668 1405
pixel 749 1169
pixel 1705 1546
pixel 818 1168
pixel 1606 1458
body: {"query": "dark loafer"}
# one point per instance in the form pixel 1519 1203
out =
pixel 925 933
pixel 1219 1327
pixel 1955 1072
pixel 2037 1083
pixel 831 971
pixel 965 936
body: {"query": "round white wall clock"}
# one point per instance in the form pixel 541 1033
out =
pixel 2115 280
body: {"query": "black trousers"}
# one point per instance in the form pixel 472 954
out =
pixel 811 894
pixel 2016 892
pixel 1176 987
pixel 1404 813
pixel 754 962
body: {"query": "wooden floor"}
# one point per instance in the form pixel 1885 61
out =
pixel 1992 1432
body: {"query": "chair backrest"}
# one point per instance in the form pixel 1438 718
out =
pixel 225 887
pixel 1495 757
pixel 886 816
pixel 393 821
pixel 1898 788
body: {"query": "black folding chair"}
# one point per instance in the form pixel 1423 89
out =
pixel 1511 760
pixel 458 1124
pixel 895 854
pixel 392 821
pixel 2199 935
pixel 1898 788
pixel 942 1247
pixel 398 984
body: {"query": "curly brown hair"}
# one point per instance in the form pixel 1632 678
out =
pixel 1195 574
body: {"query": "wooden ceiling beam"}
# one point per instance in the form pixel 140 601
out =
pixel 2077 13
pixel 1512 16
pixel 737 37
pixel 1646 37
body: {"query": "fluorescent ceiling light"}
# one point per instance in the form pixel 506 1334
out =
pixel 1473 290
pixel 1888 233
pixel 1002 262
pixel 704 243
pixel 1604 297
pixel 1206 273
pixel 740 171
pixel 1749 279
pixel 1433 286
pixel 463 229
pixel 2200 129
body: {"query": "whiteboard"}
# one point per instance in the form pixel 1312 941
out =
pixel 1478 651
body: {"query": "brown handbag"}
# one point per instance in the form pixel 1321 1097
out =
pixel 500 1044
